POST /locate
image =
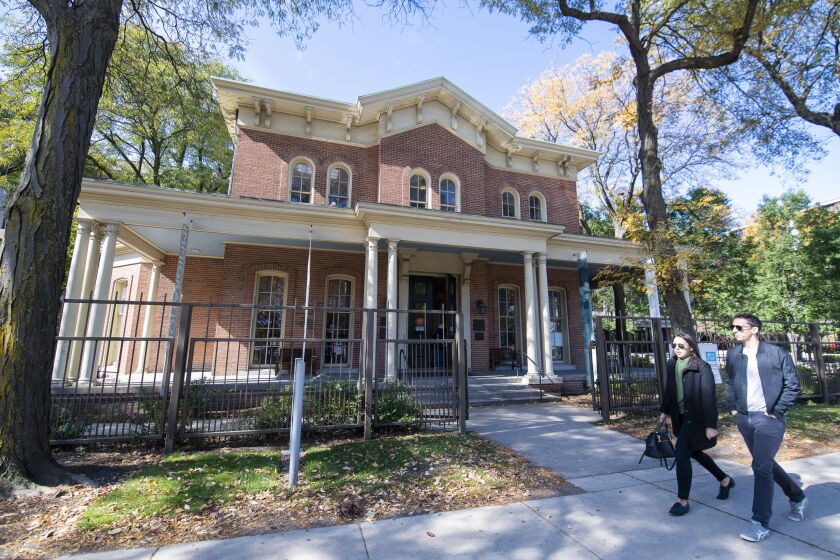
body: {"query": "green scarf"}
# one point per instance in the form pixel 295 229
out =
pixel 678 378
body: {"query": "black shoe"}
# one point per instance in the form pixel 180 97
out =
pixel 678 509
pixel 723 493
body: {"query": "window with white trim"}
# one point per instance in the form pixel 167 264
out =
pixel 448 195
pixel 535 208
pixel 510 204
pixel 418 191
pixel 302 176
pixel 338 321
pixel 269 291
pixel 338 187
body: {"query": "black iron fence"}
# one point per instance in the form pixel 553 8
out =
pixel 631 352
pixel 171 372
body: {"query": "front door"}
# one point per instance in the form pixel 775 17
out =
pixel 425 295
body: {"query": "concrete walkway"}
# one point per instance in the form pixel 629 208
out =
pixel 621 514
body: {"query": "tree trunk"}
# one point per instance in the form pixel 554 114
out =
pixel 661 243
pixel 81 38
pixel 620 322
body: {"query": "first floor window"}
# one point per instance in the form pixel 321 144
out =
pixel 337 317
pixel 509 318
pixel 557 319
pixel 268 320
pixel 448 196
pixel 417 191
pixel 535 208
pixel 301 190
pixel 339 188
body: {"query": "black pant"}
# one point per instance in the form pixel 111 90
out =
pixel 763 435
pixel 684 455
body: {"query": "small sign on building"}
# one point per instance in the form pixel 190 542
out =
pixel 709 352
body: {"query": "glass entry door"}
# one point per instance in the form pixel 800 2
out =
pixel 509 323
pixel 557 324
pixel 425 294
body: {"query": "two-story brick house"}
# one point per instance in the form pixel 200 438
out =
pixel 418 197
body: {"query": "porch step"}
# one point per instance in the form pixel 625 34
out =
pixel 495 390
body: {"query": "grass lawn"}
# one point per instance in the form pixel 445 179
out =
pixel 812 429
pixel 213 494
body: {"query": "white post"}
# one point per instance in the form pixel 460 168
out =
pixel 542 275
pixel 530 314
pixel 371 272
pixel 98 311
pixel 70 313
pixel 651 288
pixel 88 280
pixel 150 312
pixel 392 316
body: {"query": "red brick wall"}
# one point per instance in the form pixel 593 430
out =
pixel 261 166
pixel 381 173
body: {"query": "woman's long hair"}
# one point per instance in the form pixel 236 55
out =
pixel 695 349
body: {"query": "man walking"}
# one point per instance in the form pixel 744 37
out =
pixel 761 386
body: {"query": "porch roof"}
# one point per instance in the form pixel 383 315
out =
pixel 151 219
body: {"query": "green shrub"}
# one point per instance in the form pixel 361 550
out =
pixel 66 426
pixel 274 411
pixel 396 405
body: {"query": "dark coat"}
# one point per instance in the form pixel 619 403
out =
pixel 699 400
pixel 779 380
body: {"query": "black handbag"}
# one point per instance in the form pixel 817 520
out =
pixel 658 446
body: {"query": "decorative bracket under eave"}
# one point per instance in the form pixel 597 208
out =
pixel 308 128
pixel 420 100
pixel 455 109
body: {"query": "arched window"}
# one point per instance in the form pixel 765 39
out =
pixel 268 321
pixel 302 176
pixel 510 203
pixel 449 194
pixel 418 191
pixel 536 207
pixel 338 186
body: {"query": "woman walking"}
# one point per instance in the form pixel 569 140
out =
pixel 690 402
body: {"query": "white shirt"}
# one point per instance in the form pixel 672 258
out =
pixel 755 393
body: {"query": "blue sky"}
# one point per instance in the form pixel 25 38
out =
pixel 488 56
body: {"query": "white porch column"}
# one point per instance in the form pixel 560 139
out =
pixel 98 311
pixel 150 312
pixel 88 280
pixel 70 313
pixel 530 314
pixel 651 288
pixel 370 293
pixel 391 316
pixel 542 276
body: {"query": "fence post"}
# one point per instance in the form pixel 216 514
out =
pixel 658 352
pixel 370 355
pixel 460 365
pixel 603 370
pixel 178 378
pixel 819 361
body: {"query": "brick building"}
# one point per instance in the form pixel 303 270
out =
pixel 419 198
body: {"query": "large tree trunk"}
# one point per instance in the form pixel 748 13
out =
pixel 81 38
pixel 660 241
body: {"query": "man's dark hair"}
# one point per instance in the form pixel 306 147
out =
pixel 749 318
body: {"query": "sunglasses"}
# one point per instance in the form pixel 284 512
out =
pixel 739 328
pixel 679 345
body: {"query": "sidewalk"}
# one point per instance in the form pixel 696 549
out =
pixel 621 513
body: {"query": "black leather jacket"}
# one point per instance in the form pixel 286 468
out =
pixel 779 380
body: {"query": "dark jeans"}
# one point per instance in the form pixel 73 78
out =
pixel 683 457
pixel 763 435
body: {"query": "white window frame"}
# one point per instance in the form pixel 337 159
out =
pixel 428 178
pixel 520 338
pixel 352 281
pixel 543 206
pixel 455 181
pixel 292 165
pixel 516 203
pixel 565 303
pixel 346 168
pixel 257 275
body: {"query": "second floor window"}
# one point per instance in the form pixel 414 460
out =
pixel 339 194
pixel 448 196
pixel 535 211
pixel 301 190
pixel 508 205
pixel 417 191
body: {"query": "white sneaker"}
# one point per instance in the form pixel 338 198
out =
pixel 755 532
pixel 797 510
